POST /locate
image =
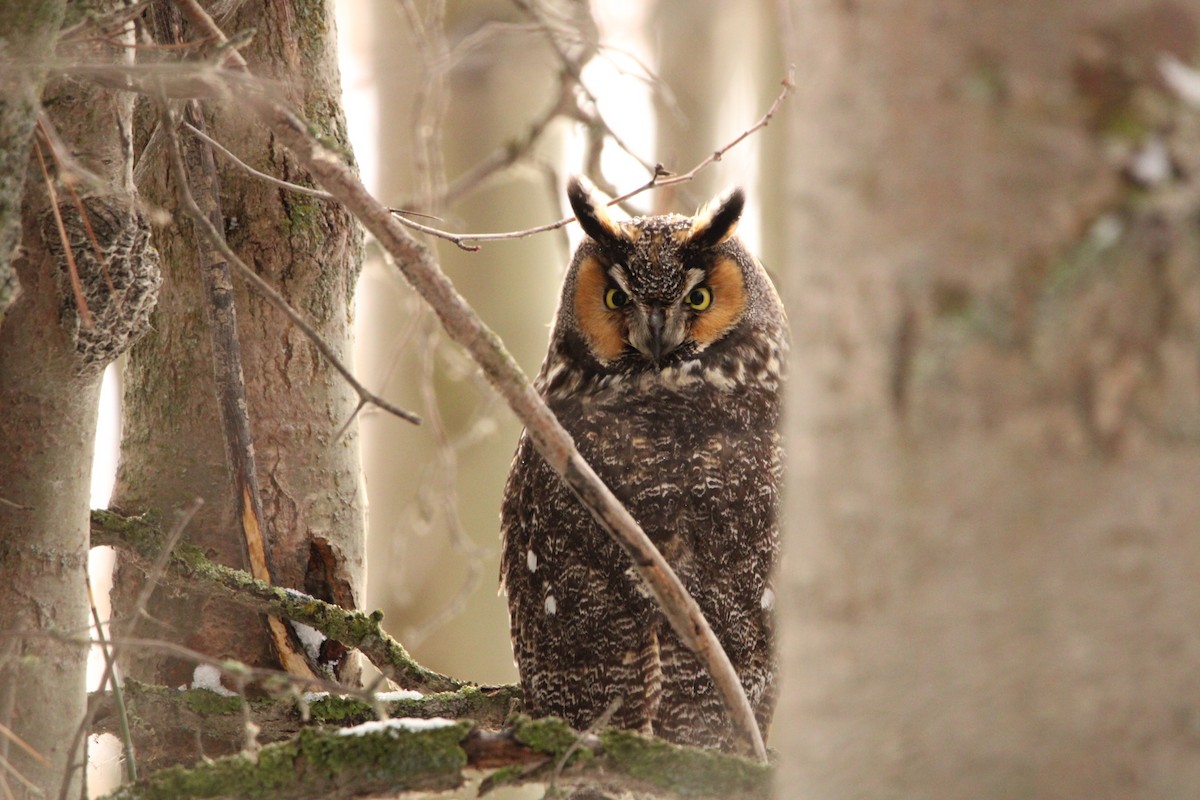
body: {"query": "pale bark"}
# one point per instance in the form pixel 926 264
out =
pixel 54 345
pixel 989 587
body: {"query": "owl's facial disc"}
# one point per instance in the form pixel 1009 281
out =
pixel 655 290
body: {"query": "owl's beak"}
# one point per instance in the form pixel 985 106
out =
pixel 656 321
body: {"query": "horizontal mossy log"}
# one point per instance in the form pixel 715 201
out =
pixel 400 755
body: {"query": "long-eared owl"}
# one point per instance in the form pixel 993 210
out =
pixel 665 366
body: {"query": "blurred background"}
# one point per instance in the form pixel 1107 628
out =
pixel 429 99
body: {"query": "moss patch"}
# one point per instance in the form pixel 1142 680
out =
pixel 551 735
pixel 686 771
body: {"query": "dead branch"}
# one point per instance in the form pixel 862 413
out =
pixel 140 542
pixel 552 441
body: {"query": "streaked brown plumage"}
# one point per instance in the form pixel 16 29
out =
pixel 665 365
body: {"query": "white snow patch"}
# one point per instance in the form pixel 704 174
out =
pixel 398 724
pixel 311 638
pixel 1184 80
pixel 399 694
pixel 1151 164
pixel 768 599
pixel 206 676
pixel 312 697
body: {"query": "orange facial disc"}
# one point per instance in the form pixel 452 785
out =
pixel 728 303
pixel 603 328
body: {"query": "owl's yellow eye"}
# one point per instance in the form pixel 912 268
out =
pixel 615 298
pixel 700 298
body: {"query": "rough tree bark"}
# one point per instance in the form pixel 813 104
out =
pixel 171 452
pixel 990 588
pixel 56 339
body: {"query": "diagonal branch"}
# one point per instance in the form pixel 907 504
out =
pixel 552 441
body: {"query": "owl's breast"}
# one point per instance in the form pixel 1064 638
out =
pixel 698 470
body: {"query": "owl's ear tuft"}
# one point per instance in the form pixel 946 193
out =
pixel 591 211
pixel 718 219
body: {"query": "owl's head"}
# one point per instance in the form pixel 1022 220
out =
pixel 650 292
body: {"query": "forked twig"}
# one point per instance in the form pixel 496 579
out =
pixel 660 177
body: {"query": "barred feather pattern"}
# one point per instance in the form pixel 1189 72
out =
pixel 690 445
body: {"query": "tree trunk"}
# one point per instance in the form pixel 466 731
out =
pixel 990 587
pixel 30 29
pixel 172 451
pixel 54 344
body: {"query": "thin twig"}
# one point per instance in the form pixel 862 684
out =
pixel 276 299
pixel 271 179
pixel 85 316
pixel 660 178
pixel 12 736
pixel 110 679
pixel 596 725
pixel 28 784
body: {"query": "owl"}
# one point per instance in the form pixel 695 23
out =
pixel 665 365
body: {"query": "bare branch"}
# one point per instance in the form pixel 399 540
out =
pixel 271 179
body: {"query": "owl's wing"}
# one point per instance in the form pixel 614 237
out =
pixel 581 634
pixel 691 710
pixel 731 534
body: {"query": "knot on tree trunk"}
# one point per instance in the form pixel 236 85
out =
pixel 118 271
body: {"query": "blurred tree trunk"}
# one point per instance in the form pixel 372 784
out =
pixel 54 345
pixel 689 61
pixel 30 29
pixel 172 450
pixel 421 505
pixel 990 583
